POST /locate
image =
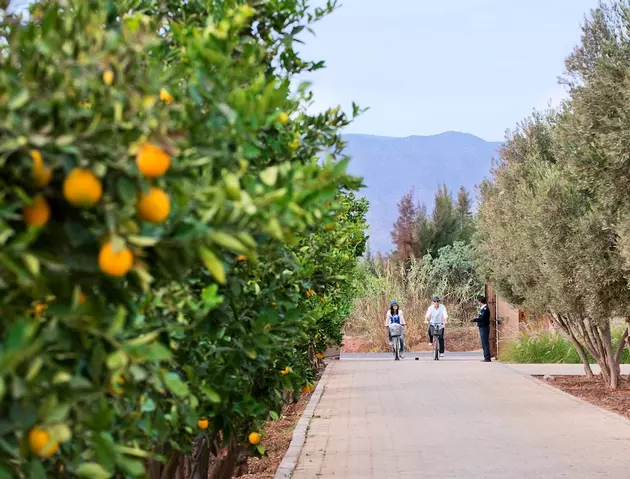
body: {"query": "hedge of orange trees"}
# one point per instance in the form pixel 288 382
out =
pixel 178 235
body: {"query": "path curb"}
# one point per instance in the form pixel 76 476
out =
pixel 290 459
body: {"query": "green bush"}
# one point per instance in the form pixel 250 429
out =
pixel 549 348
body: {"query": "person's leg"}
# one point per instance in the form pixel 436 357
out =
pixel 442 342
pixel 484 332
pixel 402 342
pixel 430 335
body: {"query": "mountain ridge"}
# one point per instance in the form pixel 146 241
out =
pixel 392 166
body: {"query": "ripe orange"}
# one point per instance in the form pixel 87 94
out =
pixel 82 188
pixel 152 160
pixel 165 95
pixel 37 213
pixel 320 356
pixel 115 263
pixel 155 206
pixel 108 77
pixel 41 174
pixel 202 423
pixel 40 442
pixel 241 258
pixel 254 438
pixel 285 371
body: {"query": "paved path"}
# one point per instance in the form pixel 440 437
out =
pixel 457 418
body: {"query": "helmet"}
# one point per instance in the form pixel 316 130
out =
pixel 393 302
pixel 436 298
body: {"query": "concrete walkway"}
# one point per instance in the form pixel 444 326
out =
pixel 456 418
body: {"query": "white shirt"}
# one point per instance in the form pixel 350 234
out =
pixel 437 316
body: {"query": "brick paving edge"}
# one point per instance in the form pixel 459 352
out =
pixel 543 384
pixel 290 459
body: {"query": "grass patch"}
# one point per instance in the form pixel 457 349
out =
pixel 541 348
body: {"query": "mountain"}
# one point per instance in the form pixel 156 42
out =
pixel 393 166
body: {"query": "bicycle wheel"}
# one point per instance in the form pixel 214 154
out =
pixel 436 348
pixel 397 348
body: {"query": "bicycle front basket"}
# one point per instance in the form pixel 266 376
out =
pixel 395 329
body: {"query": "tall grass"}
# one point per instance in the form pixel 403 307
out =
pixel 546 347
pixel 412 285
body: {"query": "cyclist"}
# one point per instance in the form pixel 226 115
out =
pixel 395 315
pixel 437 316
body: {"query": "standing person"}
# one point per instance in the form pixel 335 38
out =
pixel 395 315
pixel 483 321
pixel 437 316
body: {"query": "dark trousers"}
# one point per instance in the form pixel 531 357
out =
pixel 484 333
pixel 440 339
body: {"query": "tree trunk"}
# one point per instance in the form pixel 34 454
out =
pixel 226 461
pixel 200 462
pixel 562 324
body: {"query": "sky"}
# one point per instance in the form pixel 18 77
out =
pixel 425 67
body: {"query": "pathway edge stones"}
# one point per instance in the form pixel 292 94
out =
pixel 290 459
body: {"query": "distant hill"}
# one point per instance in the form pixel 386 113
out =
pixel 392 166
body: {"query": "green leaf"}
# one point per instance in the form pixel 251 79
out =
pixel 19 100
pixel 58 414
pixel 126 190
pixel 4 474
pixel 32 264
pixel 269 176
pixel 36 470
pixel 211 394
pixel 34 368
pixel 261 449
pixel 60 432
pixel 228 241
pixel 175 384
pixel 92 470
pixel 148 405
pixel 117 360
pixel 212 264
pixel 105 450
pixel 144 241
pixel 274 415
pixel 133 467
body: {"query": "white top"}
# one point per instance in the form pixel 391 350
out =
pixel 437 315
pixel 388 317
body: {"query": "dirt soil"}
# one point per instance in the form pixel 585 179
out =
pixel 595 391
pixel 277 438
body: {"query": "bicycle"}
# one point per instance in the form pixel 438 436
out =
pixel 436 332
pixel 395 332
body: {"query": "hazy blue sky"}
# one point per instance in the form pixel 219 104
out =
pixel 424 67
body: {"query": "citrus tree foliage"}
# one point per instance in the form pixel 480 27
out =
pixel 170 245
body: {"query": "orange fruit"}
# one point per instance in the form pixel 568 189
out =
pixel 165 95
pixel 41 174
pixel 115 263
pixel 82 188
pixel 108 77
pixel 202 423
pixel 40 442
pixel 82 298
pixel 309 293
pixel 152 160
pixel 37 213
pixel 155 206
pixel 283 118
pixel 320 356
pixel 241 258
pixel 254 438
pixel 285 371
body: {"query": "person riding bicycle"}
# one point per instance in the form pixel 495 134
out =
pixel 395 315
pixel 436 317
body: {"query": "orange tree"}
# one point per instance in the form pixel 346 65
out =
pixel 135 144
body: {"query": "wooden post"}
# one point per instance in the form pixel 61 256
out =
pixel 491 298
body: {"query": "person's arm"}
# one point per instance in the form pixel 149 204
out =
pixel 402 318
pixel 445 315
pixel 387 319
pixel 428 315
